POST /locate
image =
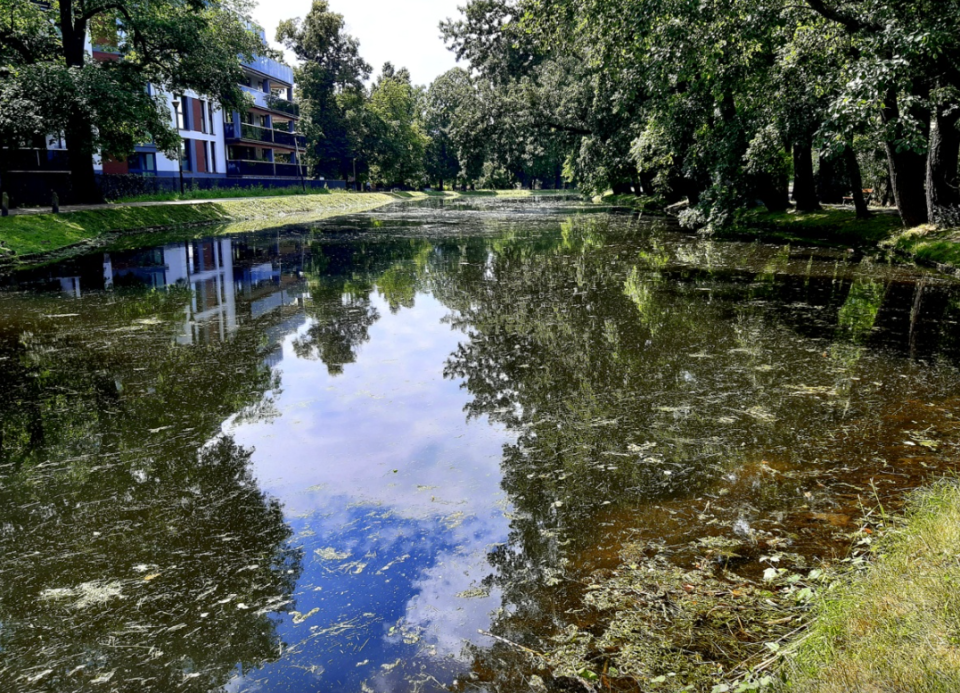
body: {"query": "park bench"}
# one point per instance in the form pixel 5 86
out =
pixel 867 196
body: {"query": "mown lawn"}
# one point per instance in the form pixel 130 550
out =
pixel 32 234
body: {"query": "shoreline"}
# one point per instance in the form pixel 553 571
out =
pixel 37 237
pixel 927 246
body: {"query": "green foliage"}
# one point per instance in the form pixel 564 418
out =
pixel 447 103
pixel 331 74
pixel 50 85
pixel 708 100
pixel 394 140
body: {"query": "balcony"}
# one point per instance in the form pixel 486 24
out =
pixel 272 68
pixel 275 103
pixel 255 133
pixel 269 169
pixel 36 160
pixel 269 102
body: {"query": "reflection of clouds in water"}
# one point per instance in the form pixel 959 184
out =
pixel 380 463
pixel 382 431
pixel 451 602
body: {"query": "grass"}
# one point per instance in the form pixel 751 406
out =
pixel 642 203
pixel 223 193
pixel 894 626
pixel 929 244
pixel 260 191
pixel 515 193
pixel 832 225
pixel 33 234
pixel 37 234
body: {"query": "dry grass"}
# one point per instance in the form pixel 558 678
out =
pixel 894 627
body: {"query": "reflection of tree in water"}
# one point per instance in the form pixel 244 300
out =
pixel 342 317
pixel 626 385
pixel 138 549
pixel 342 281
pixel 164 571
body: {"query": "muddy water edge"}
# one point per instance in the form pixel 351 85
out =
pixel 469 445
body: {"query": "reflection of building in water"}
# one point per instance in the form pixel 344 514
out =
pixel 229 281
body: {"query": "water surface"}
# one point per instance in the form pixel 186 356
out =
pixel 338 456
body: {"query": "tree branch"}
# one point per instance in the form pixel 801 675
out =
pixel 10 39
pixel 853 25
pixel 573 130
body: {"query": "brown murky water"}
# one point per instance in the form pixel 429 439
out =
pixel 325 457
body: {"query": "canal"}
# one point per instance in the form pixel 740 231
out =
pixel 397 451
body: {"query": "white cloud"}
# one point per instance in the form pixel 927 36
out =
pixel 405 32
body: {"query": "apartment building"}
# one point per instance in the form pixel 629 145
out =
pixel 259 142
pixel 255 145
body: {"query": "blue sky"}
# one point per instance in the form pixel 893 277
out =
pixel 403 32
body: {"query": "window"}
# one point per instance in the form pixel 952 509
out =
pixel 210 114
pixel 203 116
pixel 180 107
pixel 185 155
pixel 213 156
pixel 145 163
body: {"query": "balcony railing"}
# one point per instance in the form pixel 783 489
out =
pixel 255 133
pixel 36 159
pixel 271 102
pixel 259 97
pixel 272 68
pixel 243 167
pixel 275 103
pixel 284 138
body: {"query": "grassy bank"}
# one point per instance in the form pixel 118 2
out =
pixel 894 626
pixel 641 204
pixel 33 234
pixel 224 193
pixel 832 226
pixel 940 247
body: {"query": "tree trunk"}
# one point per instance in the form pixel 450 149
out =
pixel 907 171
pixel 943 185
pixel 441 185
pixel 79 141
pixel 831 185
pixel 804 182
pixel 78 134
pixel 772 191
pixel 646 183
pixel 856 181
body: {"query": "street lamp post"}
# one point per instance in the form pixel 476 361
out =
pixel 296 144
pixel 176 110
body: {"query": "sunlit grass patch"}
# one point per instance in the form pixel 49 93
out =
pixel 929 243
pixel 642 203
pixel 33 234
pixel 217 193
pixel 831 224
pixel 896 625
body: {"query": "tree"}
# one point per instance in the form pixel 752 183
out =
pixel 331 68
pixel 107 107
pixel 395 142
pixel 448 97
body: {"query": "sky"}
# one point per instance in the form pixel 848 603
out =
pixel 405 32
